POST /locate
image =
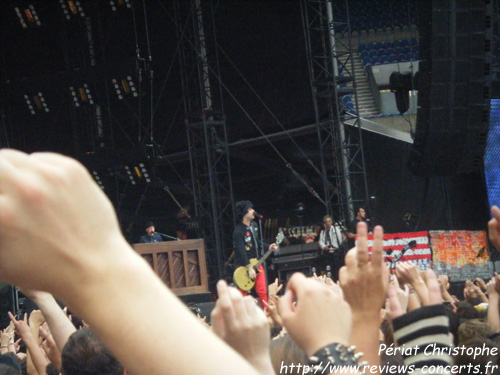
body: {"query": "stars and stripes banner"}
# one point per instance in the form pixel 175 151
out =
pixel 403 247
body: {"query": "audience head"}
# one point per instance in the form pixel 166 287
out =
pixel 473 329
pixel 285 350
pixel 478 361
pixel 9 364
pixel 466 311
pixel 85 354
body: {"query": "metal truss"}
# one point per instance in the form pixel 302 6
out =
pixel 331 71
pixel 206 132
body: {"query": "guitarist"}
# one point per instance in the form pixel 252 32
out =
pixel 330 243
pixel 246 247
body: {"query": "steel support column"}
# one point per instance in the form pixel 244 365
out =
pixel 206 132
pixel 331 71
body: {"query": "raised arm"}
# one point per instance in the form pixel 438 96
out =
pixel 60 326
pixel 31 342
pixel 44 197
pixel 364 282
pixel 493 313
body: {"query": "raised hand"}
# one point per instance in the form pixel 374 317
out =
pixel 403 296
pixel 493 314
pixel 319 317
pixel 409 273
pixel 275 287
pixel 444 282
pixel 364 282
pixel 35 192
pixel 21 326
pixel 6 338
pixel 36 318
pixel 433 296
pixel 480 282
pixel 49 346
pixel 241 324
pixel 491 287
pixel 497 282
pixel 272 309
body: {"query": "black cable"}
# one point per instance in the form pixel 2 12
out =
pixel 151 74
pixel 287 164
pixel 270 111
pixel 138 71
pixel 217 62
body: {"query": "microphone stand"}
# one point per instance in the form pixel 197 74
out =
pixel 167 236
pixel 262 251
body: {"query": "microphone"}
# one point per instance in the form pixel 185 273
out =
pixel 258 216
pixel 167 236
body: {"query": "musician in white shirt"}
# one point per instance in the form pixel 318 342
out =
pixel 332 251
pixel 331 237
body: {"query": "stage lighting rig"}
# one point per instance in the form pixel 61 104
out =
pixel 114 4
pixel 72 8
pixel 28 17
pixel 36 103
pixel 81 95
pixel 124 87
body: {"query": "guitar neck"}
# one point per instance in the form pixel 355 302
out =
pixel 263 259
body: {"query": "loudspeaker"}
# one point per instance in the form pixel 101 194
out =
pixel 454 86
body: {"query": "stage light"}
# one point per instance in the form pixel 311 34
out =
pixel 114 4
pixel 20 16
pixel 30 105
pixel 125 87
pixel 36 103
pixel 137 172
pixel 130 175
pixel 81 95
pixel 65 9
pixel 45 107
pixel 71 8
pixel 34 15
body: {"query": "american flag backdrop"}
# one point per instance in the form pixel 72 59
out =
pixel 402 247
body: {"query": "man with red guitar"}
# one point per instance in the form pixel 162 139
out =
pixel 246 247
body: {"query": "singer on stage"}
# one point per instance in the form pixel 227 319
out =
pixel 246 246
pixel 150 235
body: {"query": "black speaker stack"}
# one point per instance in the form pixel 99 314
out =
pixel 454 86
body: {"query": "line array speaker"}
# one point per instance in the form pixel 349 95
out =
pixel 454 86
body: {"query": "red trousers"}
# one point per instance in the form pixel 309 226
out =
pixel 260 287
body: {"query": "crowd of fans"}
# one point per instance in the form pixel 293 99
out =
pixel 59 236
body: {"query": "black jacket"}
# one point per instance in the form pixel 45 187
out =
pixel 246 246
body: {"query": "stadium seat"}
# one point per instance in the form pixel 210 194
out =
pixel 393 58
